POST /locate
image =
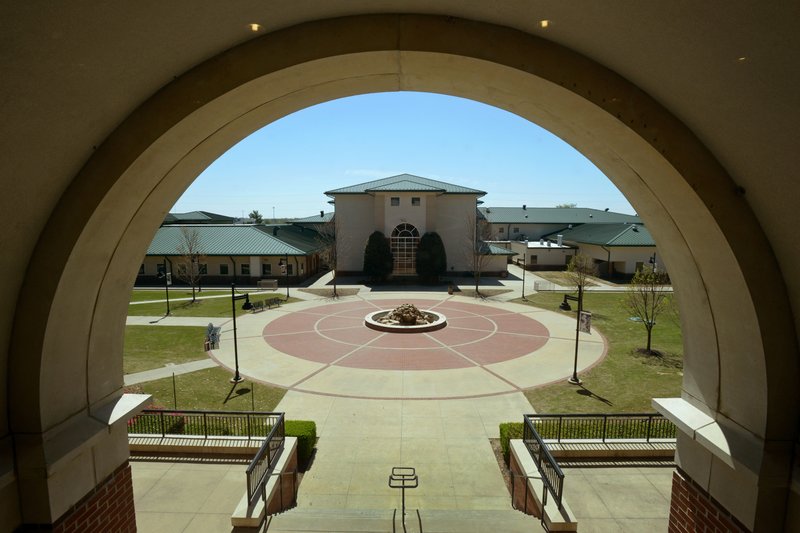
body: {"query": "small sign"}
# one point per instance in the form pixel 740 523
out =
pixel 283 269
pixel 169 278
pixel 585 322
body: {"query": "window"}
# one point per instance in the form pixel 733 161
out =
pixel 141 269
pixel 266 269
pixel 202 269
pixel 404 241
pixel 533 260
pixel 567 259
pixel 415 201
pixel 395 201
pixel 245 269
pixel 223 270
pixel 639 266
pixel 516 230
pixel 182 270
pixel 161 268
pixel 501 230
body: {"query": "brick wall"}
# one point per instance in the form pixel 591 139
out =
pixel 693 509
pixel 109 507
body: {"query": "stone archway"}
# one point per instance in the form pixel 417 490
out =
pixel 737 330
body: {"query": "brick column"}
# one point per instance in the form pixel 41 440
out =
pixel 109 507
pixel 693 509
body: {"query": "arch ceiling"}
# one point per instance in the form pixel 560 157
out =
pixel 80 91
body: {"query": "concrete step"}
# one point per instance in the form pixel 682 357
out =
pixel 380 521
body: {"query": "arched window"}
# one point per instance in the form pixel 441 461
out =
pixel 405 239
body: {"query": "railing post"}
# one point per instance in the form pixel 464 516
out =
pixel 205 425
pixel 649 426
pixel 560 419
pixel 605 425
pixel 163 427
pixel 249 430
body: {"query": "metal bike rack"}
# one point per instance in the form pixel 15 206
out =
pixel 404 477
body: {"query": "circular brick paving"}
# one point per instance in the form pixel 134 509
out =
pixel 476 334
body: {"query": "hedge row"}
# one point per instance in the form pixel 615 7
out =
pixel 306 433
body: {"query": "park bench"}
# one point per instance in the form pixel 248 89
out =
pixel 258 306
pixel 212 336
pixel 273 301
pixel 268 284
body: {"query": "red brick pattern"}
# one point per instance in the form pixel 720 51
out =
pixel 109 507
pixel 475 335
pixel 693 510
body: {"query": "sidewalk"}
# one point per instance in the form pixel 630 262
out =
pixel 167 371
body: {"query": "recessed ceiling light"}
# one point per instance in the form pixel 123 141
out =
pixel 741 59
pixel 255 27
pixel 544 23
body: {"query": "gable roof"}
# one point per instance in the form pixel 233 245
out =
pixel 314 219
pixel 607 235
pixel 197 217
pixel 228 239
pixel 405 183
pixel 555 215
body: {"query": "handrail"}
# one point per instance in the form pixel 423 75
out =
pixel 552 476
pixel 250 424
pixel 603 427
pixel 264 459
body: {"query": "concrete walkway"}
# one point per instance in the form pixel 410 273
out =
pixel 168 371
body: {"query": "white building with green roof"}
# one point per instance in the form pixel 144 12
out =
pixel 234 253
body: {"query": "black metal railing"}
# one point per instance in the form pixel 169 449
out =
pixel 552 476
pixel 603 427
pixel 265 459
pixel 204 424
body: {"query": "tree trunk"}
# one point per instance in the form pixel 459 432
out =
pixel 649 337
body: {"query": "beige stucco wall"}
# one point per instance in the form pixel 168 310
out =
pixel 417 216
pixel 352 231
pixel 624 258
pixel 544 256
pixel 455 215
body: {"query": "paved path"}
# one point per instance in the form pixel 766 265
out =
pixel 167 371
pixel 200 321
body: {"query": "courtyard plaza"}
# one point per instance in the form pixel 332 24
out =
pixel 428 400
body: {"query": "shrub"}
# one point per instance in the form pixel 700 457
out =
pixel 306 433
pixel 377 257
pixel 508 431
pixel 431 257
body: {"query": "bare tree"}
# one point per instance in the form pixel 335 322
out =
pixel 478 231
pixel 190 269
pixel 648 297
pixel 326 237
pixel 567 205
pixel 580 269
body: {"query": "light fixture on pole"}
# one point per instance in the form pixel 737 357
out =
pixel 246 305
pixel 167 282
pixel 285 270
pixel 564 306
pixel 524 268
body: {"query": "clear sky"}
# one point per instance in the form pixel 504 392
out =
pixel 290 163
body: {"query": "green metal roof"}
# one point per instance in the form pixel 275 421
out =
pixel 607 235
pixel 486 248
pixel 405 183
pixel 555 215
pixel 197 217
pixel 228 239
pixel 314 219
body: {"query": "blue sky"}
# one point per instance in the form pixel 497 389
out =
pixel 290 163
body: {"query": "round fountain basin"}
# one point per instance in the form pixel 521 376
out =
pixel 372 322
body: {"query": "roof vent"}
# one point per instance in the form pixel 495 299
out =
pixel 569 227
pixel 524 207
pixel 322 214
pixel 606 210
pixel 488 209
pixel 549 244
pixel 635 228
pixel 275 230
pixel 560 239
pixel 541 241
pixel 590 215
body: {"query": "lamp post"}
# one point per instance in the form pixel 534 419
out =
pixel 167 283
pixel 564 306
pixel 246 305
pixel 524 268
pixel 285 268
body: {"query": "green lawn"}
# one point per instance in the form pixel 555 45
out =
pixel 183 292
pixel 210 389
pixel 149 347
pixel 212 307
pixel 562 278
pixel 626 380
